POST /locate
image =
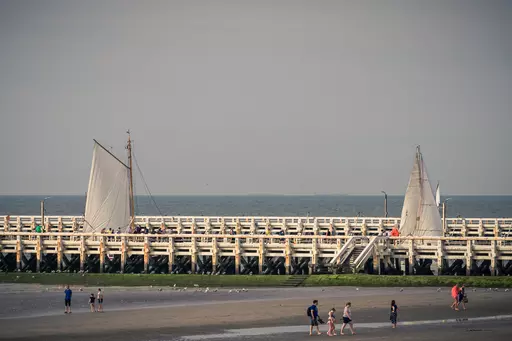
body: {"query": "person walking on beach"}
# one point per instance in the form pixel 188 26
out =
pixel 347 319
pixel 100 301
pixel 91 303
pixel 331 322
pixel 394 313
pixel 67 300
pixel 455 296
pixel 462 297
pixel 313 315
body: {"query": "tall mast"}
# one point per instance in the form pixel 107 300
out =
pixel 132 202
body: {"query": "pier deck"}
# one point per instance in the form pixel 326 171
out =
pixel 249 245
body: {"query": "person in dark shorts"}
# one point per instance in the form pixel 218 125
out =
pixel 462 298
pixel 67 300
pixel 347 319
pixel 100 301
pixel 91 303
pixel 394 313
pixel 312 313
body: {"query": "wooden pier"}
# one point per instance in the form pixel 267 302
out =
pixel 256 245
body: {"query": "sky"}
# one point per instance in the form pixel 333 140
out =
pixel 257 97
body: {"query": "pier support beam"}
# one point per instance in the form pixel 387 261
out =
pixel 193 256
pixel 171 254
pixel 215 257
pixel 123 253
pixel 288 257
pixel 237 256
pixel 261 256
pixel 493 258
pixel 102 254
pixel 19 251
pixel 146 254
pixel 412 257
pixel 469 257
pixel 83 254
pixel 59 253
pixel 39 251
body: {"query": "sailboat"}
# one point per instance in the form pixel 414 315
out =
pixel 438 195
pixel 109 202
pixel 420 214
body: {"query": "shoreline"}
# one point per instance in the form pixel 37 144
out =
pixel 249 281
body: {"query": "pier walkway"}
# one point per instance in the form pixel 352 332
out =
pixel 256 245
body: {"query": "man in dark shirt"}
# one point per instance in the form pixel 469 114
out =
pixel 67 300
pixel 313 315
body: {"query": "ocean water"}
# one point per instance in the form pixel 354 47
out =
pixel 271 205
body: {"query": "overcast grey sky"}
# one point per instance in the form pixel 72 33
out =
pixel 236 97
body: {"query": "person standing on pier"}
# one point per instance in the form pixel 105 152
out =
pixel 394 313
pixel 67 300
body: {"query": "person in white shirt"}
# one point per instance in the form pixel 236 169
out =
pixel 347 319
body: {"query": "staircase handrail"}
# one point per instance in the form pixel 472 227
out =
pixel 348 244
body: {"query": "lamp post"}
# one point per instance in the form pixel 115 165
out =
pixel 42 212
pixel 444 214
pixel 385 204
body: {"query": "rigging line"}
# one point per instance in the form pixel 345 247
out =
pixel 146 185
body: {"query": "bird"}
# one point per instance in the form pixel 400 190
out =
pixel 507 290
pixel 439 290
pixel 474 289
pixel 401 289
pixel 230 291
pixel 357 289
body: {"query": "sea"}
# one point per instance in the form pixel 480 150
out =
pixel 263 205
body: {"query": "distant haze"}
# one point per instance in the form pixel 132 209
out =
pixel 237 97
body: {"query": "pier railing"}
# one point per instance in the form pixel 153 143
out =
pixel 339 226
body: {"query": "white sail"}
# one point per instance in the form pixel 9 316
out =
pixel 108 195
pixel 438 195
pixel 420 214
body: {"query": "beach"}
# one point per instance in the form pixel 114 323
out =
pixel 32 312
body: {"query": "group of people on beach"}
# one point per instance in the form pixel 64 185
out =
pixel 68 293
pixel 315 320
pixel 459 297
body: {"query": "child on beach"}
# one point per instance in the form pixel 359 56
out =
pixel 92 298
pixel 347 319
pixel 394 313
pixel 331 322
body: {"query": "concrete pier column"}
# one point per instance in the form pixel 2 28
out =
pixel 83 255
pixel 314 256
pixel 38 253
pixel 170 250
pixel 59 253
pixel 412 257
pixel 102 253
pixel 7 223
pixel 123 253
pixel 60 226
pixel 193 256
pixel 481 228
pixel 364 229
pixel 261 255
pixel 469 257
pixel 215 259
pixel 237 256
pixel 19 251
pixel 146 254
pixel 288 257
pixel 493 258
pixel 439 257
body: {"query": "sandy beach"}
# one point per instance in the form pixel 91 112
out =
pixel 33 312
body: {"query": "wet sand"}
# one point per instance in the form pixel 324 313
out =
pixel 150 314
